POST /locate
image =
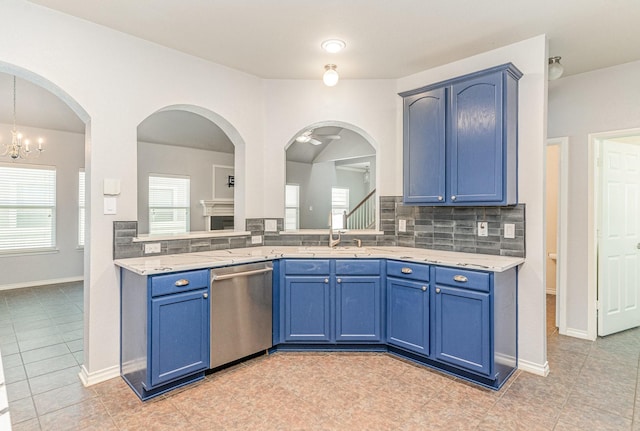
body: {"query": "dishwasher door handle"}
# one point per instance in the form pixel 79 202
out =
pixel 216 277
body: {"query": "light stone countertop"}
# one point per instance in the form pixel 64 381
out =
pixel 210 259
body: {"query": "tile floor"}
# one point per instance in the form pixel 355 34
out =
pixel 592 385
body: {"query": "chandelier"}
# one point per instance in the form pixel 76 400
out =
pixel 19 148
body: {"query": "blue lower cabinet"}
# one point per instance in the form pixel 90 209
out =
pixel 463 329
pixel 408 315
pixel 358 309
pixel 179 335
pixel 164 330
pixel 307 309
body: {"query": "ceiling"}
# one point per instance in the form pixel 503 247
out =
pixel 349 146
pixel 385 39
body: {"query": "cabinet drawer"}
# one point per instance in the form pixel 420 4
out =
pixel 307 267
pixel 463 278
pixel 179 282
pixel 357 267
pixel 412 271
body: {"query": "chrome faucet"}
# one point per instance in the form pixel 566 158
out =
pixel 332 242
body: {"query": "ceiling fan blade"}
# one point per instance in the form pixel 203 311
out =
pixel 333 137
pixel 314 141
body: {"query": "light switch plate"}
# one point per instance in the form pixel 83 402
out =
pixel 256 239
pixel 483 228
pixel 402 225
pixel 152 247
pixel 509 230
pixel 270 225
pixel 110 207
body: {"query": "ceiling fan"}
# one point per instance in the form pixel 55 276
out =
pixel 310 137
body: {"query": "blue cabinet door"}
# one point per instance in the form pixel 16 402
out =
pixel 476 168
pixel 307 308
pixel 463 328
pixel 358 308
pixel 179 336
pixel 424 147
pixel 408 315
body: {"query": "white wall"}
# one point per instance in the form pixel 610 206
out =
pixel 168 159
pixel 599 101
pixel 368 105
pixel 530 57
pixel 65 151
pixel 117 81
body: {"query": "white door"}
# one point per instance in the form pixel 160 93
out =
pixel 619 238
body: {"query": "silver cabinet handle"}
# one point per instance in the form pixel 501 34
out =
pixel 406 270
pixel 424 288
pixel 453 198
pixel 437 290
pixel 205 295
pixel 460 278
pixel 326 280
pixel 182 282
pixel 440 198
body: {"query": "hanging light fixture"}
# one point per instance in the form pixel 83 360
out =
pixel 19 148
pixel 555 68
pixel 333 45
pixel 366 175
pixel 330 77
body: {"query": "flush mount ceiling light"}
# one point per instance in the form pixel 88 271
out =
pixel 555 68
pixel 333 45
pixel 330 77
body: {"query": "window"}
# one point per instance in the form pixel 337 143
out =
pixel 81 212
pixel 292 207
pixel 27 207
pixel 168 204
pixel 339 205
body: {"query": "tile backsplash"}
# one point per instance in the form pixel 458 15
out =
pixel 439 228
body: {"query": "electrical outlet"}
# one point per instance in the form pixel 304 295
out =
pixel 153 247
pixel 270 225
pixel 509 230
pixel 256 239
pixel 483 228
pixel 402 225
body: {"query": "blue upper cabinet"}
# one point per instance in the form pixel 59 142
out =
pixel 424 150
pixel 460 140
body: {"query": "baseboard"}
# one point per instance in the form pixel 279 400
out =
pixel 533 368
pixel 41 283
pixel 577 333
pixel 89 379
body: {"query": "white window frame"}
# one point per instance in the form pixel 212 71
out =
pixel 290 206
pixel 178 208
pixel 40 180
pixel 337 210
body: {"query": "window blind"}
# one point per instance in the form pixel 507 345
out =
pixel 81 208
pixel 168 204
pixel 292 206
pixel 27 207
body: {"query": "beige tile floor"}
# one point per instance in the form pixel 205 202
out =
pixel 592 386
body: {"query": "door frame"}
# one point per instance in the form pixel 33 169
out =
pixel 593 223
pixel 563 239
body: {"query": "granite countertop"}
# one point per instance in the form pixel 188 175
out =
pixel 210 259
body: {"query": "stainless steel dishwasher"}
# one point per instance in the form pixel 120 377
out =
pixel 241 300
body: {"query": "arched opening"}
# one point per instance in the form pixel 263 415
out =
pixel 187 165
pixel 46 285
pixel 331 172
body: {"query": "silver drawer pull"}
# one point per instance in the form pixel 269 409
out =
pixel 182 282
pixel 460 278
pixel 424 288
pixel 326 280
pixel 406 270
